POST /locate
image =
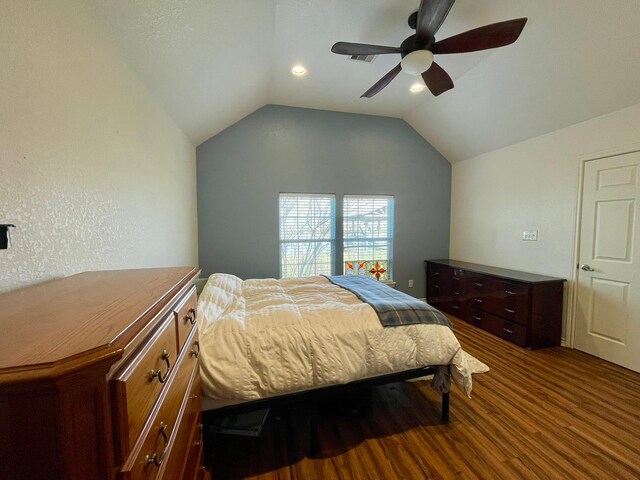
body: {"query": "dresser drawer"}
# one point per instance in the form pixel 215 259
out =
pixel 515 333
pixel 185 313
pixel 438 282
pixel 158 436
pixel 194 468
pixel 508 300
pixel 464 281
pixel 500 327
pixel 141 381
pixel 458 308
pixel 188 438
pixel 477 288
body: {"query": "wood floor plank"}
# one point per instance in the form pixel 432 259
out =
pixel 551 413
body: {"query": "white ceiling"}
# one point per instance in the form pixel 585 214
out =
pixel 209 63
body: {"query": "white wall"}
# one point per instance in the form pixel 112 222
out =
pixel 93 173
pixel 532 185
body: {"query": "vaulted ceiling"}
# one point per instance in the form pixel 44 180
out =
pixel 209 63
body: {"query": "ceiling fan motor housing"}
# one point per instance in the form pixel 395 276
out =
pixel 417 50
pixel 413 20
pixel 411 44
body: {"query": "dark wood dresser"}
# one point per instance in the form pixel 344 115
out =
pixel 99 378
pixel 523 308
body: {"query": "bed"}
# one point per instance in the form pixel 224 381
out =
pixel 268 341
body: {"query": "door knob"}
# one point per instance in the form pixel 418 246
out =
pixel 587 268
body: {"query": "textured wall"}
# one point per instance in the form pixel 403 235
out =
pixel 93 173
pixel 532 185
pixel 277 149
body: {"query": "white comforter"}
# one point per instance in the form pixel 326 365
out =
pixel 261 338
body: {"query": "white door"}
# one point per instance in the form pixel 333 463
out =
pixel 608 308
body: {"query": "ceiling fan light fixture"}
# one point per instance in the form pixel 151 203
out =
pixel 427 21
pixel 417 88
pixel 417 62
pixel 299 71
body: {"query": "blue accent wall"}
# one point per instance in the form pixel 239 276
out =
pixel 242 170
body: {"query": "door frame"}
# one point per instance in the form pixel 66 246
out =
pixel 569 340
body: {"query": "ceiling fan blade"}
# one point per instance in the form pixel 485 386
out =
pixel 347 48
pixel 383 82
pixel 437 80
pixel 483 38
pixel 431 14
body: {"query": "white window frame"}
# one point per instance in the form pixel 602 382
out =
pixel 390 231
pixel 331 240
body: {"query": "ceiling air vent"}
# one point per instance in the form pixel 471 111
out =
pixel 363 58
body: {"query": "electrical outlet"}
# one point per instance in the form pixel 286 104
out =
pixel 530 235
pixel 410 283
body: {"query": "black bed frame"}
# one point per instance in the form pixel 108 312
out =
pixel 312 397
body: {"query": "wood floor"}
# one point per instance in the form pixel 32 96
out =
pixel 546 414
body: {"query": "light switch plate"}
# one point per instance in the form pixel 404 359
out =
pixel 530 235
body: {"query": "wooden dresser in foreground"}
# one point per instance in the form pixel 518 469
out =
pixel 99 378
pixel 523 308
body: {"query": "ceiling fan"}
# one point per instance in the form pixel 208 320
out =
pixel 417 50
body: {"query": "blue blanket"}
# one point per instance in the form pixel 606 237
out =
pixel 394 308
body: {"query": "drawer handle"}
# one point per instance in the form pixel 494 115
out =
pixel 508 310
pixel 199 440
pixel 477 318
pixel 191 316
pixel 162 377
pixel 478 284
pixel 436 273
pixel 457 279
pixel 436 286
pixel 507 330
pixel 194 352
pixel 456 293
pixel 509 292
pixel 157 461
pixel 478 300
pixel 456 307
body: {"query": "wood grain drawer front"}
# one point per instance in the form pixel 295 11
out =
pixel 189 435
pixel 153 449
pixel 194 467
pixel 141 382
pixel 477 317
pixel 478 287
pixel 459 309
pixel 500 327
pixel 435 271
pixel 434 287
pixel 509 300
pixel 514 333
pixel 185 313
pixel 464 283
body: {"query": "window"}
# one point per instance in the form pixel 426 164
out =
pixel 368 235
pixel 307 234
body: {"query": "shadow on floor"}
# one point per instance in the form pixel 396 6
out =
pixel 344 422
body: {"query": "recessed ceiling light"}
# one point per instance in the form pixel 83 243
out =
pixel 416 88
pixel 299 70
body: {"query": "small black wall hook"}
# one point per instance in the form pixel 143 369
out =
pixel 5 236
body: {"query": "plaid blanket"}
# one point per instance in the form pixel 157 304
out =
pixel 394 308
